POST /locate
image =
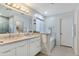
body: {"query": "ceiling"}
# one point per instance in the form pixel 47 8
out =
pixel 48 9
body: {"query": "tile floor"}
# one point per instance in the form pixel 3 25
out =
pixel 60 51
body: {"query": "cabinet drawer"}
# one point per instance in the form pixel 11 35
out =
pixel 7 47
pixel 32 47
pixel 35 44
pixel 8 53
pixel 11 46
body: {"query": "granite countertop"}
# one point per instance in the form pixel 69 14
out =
pixel 18 38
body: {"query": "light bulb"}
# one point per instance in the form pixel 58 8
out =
pixel 14 5
pixel 45 12
pixel 27 10
pixel 17 6
pixel 22 8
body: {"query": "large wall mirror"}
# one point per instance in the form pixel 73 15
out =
pixel 12 21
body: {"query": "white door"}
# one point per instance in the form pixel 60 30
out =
pixel 42 27
pixel 38 25
pixel 67 31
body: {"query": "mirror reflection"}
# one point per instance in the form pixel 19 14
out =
pixel 12 21
pixel 4 24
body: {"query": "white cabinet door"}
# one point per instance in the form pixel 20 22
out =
pixel 35 46
pixel 8 53
pixel 21 50
pixel 34 49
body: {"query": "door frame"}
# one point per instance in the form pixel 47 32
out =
pixel 72 32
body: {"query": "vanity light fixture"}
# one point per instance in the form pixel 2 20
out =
pixel 19 7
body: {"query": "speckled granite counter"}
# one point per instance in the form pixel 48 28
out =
pixel 16 38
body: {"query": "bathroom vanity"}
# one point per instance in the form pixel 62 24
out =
pixel 21 45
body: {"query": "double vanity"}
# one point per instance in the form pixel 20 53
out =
pixel 20 45
pixel 22 34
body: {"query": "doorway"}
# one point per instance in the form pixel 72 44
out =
pixel 66 32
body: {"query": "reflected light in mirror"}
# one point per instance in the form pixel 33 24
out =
pixel 14 5
pixel 22 8
pixel 18 7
